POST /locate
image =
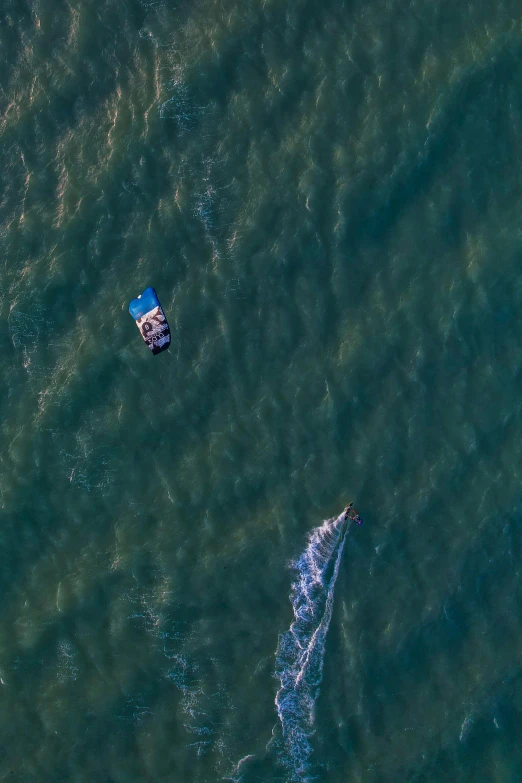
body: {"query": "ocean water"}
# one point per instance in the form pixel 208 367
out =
pixel 326 195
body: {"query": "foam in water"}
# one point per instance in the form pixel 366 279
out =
pixel 300 652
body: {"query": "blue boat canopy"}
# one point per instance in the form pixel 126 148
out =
pixel 150 320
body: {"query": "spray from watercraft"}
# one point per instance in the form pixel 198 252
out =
pixel 300 652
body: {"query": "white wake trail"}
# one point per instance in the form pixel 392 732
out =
pixel 300 652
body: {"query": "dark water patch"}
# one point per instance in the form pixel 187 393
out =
pixel 371 217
